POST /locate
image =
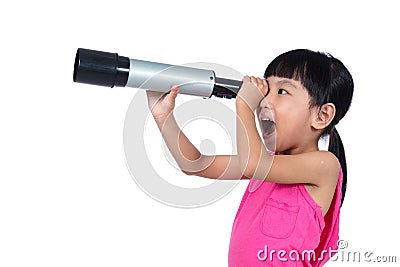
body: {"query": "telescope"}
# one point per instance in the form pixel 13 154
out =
pixel 110 69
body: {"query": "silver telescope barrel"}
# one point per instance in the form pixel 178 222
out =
pixel 110 69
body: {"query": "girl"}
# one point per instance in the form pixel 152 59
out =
pixel 289 214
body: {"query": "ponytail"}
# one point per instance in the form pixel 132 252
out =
pixel 336 147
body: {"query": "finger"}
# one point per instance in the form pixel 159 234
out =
pixel 264 81
pixel 253 80
pixel 174 91
pixel 172 96
pixel 266 87
pixel 257 82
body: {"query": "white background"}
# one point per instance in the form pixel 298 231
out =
pixel 66 195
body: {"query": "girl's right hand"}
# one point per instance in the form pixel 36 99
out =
pixel 161 104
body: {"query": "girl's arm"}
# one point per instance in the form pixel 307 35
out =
pixel 188 158
pixel 256 162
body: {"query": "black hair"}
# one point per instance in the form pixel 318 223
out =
pixel 327 80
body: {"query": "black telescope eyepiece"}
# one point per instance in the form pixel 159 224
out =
pixel 101 68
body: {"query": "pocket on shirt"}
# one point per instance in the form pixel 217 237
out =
pixel 278 219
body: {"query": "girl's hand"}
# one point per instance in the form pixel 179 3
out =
pixel 161 104
pixel 252 92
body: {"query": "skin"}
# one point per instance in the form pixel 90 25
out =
pixel 298 128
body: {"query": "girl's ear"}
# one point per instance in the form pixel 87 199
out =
pixel 323 116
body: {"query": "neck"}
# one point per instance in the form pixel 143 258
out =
pixel 304 148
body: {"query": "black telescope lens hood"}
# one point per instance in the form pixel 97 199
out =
pixel 101 68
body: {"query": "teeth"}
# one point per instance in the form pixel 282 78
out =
pixel 266 119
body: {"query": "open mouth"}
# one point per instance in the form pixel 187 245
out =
pixel 268 126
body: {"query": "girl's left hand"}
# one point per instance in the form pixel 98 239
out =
pixel 252 92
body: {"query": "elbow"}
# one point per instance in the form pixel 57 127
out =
pixel 256 171
pixel 249 172
pixel 193 167
pixel 187 172
pixel 250 168
pixel 246 168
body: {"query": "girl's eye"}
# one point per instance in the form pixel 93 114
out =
pixel 282 92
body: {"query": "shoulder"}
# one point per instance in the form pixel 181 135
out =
pixel 317 168
pixel 329 167
pixel 323 189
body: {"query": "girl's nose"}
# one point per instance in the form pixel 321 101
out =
pixel 265 103
pixel 268 98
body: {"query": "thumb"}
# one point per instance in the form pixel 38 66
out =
pixel 174 92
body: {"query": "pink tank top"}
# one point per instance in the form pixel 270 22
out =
pixel 281 225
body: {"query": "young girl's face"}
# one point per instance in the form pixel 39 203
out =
pixel 285 117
